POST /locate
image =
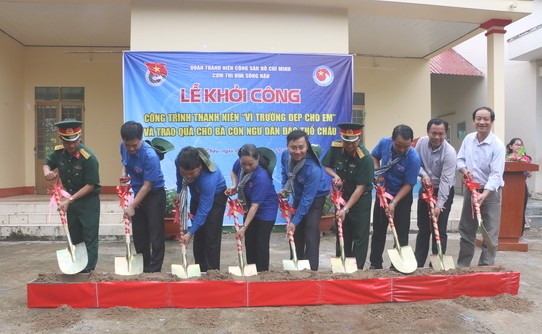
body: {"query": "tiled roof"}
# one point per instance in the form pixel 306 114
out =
pixel 451 62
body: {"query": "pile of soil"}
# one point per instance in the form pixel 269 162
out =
pixel 267 276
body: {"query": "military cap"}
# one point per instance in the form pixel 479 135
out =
pixel 206 158
pixel 161 146
pixel 271 158
pixel 350 131
pixel 69 129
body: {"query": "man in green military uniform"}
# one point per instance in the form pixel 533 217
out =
pixel 78 170
pixel 350 165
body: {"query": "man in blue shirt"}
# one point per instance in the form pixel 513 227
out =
pixel 396 164
pixel 197 172
pixel 141 164
pixel 303 176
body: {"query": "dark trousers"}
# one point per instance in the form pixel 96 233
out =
pixel 257 238
pixel 307 234
pixel 208 237
pixel 425 228
pixel 148 230
pixel 380 228
pixel 356 228
pixel 83 223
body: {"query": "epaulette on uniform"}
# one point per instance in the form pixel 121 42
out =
pixel 59 147
pixel 84 153
pixel 337 143
pixel 359 151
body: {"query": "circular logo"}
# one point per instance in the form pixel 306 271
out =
pixel 322 75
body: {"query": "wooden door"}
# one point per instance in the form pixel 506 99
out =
pixel 47 114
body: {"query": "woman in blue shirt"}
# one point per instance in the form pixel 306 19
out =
pixel 252 181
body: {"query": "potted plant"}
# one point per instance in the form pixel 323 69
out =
pixel 171 229
pixel 327 219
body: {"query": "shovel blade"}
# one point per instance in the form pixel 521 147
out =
pixel 129 265
pixel 444 262
pixel 179 270
pixel 193 270
pixel 293 266
pixel 349 266
pixel 248 270
pixel 487 239
pixel 403 259
pixel 69 264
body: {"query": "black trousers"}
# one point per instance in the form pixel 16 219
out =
pixel 425 228
pixel 208 238
pixel 257 238
pixel 148 230
pixel 380 228
pixel 307 234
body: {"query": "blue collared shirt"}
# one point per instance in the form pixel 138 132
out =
pixel 485 160
pixel 309 184
pixel 203 190
pixel 260 190
pixel 143 165
pixel 405 171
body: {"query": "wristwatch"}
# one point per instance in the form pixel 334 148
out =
pixel 71 199
pixel 345 210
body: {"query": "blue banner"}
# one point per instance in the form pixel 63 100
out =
pixel 221 101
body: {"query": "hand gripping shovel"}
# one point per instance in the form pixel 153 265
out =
pixel 440 261
pixel 473 186
pixel 74 258
pixel 131 264
pixel 342 264
pixel 402 258
pixel 291 264
pixel 243 269
pixel 183 270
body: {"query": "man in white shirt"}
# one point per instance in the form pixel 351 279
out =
pixel 439 160
pixel 481 159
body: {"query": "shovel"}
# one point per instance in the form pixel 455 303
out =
pixel 74 258
pixel 294 264
pixel 342 264
pixel 402 257
pixel 243 269
pixel 473 186
pixel 291 264
pixel 440 261
pixel 131 264
pixel 183 270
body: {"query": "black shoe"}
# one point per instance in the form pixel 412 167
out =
pixel 375 267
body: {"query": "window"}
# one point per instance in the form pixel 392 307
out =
pixel 54 104
pixel 358 111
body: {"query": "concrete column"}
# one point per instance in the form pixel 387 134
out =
pixel 495 72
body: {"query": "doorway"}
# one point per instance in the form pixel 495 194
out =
pixel 53 104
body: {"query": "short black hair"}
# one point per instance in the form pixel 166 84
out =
pixel 131 130
pixel 296 134
pixel 437 121
pixel 403 131
pixel 188 158
pixel 491 112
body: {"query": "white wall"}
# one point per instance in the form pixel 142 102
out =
pixel 11 113
pixel 397 91
pixel 193 26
